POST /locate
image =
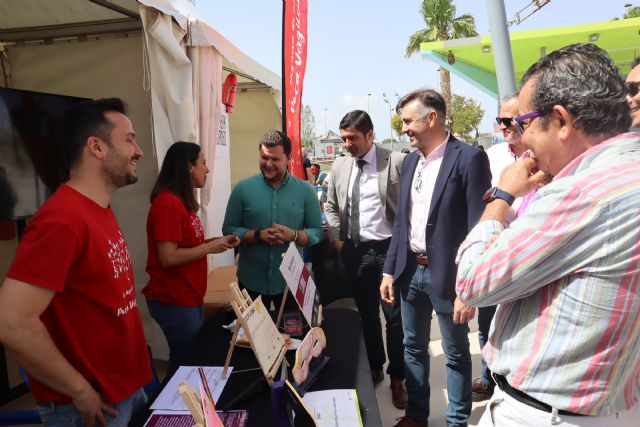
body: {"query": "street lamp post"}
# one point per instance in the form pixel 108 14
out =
pixel 368 96
pixel 384 96
pixel 325 121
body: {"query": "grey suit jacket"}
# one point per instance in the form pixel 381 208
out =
pixel 388 166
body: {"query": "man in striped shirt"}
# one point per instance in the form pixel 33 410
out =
pixel 565 343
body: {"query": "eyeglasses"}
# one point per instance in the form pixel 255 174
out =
pixel 632 88
pixel 520 119
pixel 507 121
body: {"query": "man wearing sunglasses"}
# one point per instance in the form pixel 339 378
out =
pixel 633 94
pixel 500 156
pixel 564 346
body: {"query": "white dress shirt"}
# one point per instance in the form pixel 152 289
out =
pixel 373 223
pixel 422 186
pixel 501 156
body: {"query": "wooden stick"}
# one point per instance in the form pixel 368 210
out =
pixel 232 344
pixel 320 318
pixel 284 300
pixel 237 295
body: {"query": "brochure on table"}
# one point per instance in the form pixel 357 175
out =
pixel 326 408
pixel 334 408
pixel 300 283
pixel 162 418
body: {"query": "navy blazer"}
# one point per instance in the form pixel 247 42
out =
pixel 456 206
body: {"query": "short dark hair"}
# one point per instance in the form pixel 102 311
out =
pixel 636 62
pixel 82 121
pixel 174 174
pixel 428 98
pixel 358 120
pixel 583 79
pixel 274 138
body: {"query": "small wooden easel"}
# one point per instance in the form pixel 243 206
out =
pixel 192 399
pixel 266 341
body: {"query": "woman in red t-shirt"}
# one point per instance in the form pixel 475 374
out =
pixel 177 260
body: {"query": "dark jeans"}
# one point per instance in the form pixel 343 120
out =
pixel 179 324
pixel 418 302
pixel 364 265
pixel 485 316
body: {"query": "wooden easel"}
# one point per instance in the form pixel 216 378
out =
pixel 269 359
pixel 203 411
pixel 192 399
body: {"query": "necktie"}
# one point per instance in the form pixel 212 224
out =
pixel 355 205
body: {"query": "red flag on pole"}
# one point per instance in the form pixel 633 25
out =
pixel 294 66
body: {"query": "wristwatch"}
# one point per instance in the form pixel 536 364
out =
pixel 496 193
pixel 256 236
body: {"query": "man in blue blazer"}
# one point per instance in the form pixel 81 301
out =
pixel 441 187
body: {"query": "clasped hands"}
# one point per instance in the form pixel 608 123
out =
pixel 276 235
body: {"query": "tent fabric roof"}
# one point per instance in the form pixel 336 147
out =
pixel 474 60
pixel 25 14
pixel 29 20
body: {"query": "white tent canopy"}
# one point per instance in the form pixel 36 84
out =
pixel 167 63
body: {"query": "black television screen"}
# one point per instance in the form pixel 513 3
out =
pixel 30 161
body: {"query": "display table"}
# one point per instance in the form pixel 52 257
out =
pixel 348 368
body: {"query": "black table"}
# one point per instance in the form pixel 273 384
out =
pixel 347 369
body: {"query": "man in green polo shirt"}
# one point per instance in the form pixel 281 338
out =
pixel 268 211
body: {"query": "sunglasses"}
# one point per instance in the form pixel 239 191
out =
pixel 632 88
pixel 504 121
pixel 520 119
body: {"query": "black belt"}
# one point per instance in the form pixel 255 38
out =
pixel 365 245
pixel 421 259
pixel 522 397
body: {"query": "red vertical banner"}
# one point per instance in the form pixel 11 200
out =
pixel 295 64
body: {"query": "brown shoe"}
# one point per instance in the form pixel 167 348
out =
pixel 398 394
pixel 377 376
pixel 410 422
pixel 481 391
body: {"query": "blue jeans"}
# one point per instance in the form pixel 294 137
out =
pixel 485 316
pixel 418 301
pixel 179 324
pixel 66 415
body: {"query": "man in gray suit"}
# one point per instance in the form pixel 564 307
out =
pixel 361 206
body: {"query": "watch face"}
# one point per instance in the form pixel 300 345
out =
pixel 489 195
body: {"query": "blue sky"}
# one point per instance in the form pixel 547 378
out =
pixel 356 47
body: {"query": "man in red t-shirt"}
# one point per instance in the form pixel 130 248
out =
pixel 68 310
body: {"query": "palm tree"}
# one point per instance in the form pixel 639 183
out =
pixel 442 24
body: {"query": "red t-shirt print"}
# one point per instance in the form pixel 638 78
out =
pixel 170 221
pixel 75 247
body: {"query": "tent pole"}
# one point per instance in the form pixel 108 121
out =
pixel 284 74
